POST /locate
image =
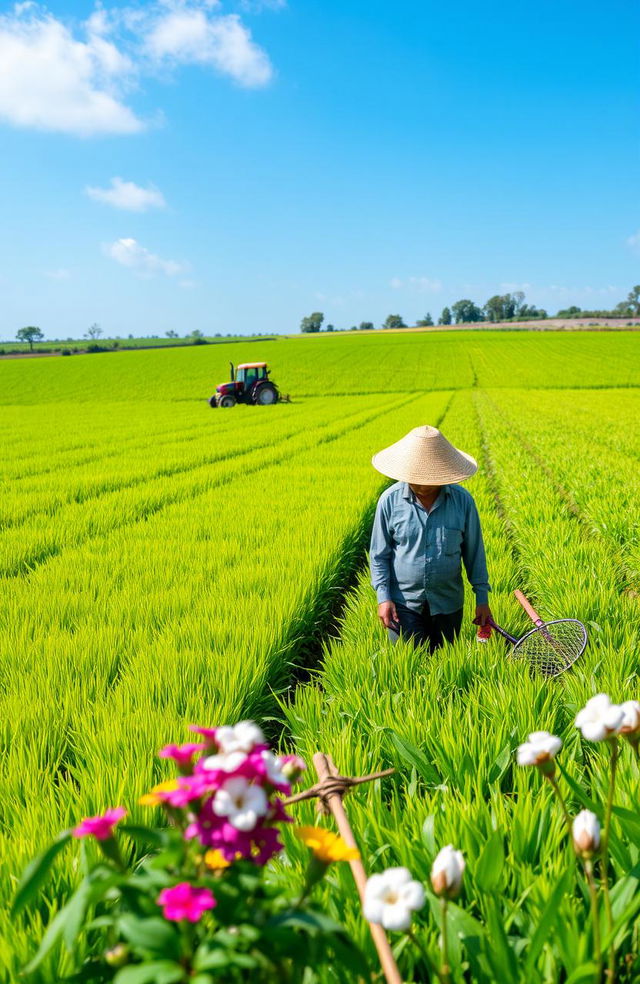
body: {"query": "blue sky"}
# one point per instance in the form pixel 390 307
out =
pixel 235 166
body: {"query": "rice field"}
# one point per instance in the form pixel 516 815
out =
pixel 162 563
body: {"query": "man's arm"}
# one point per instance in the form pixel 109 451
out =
pixel 475 561
pixel 380 554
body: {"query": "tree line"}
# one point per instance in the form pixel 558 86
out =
pixel 500 307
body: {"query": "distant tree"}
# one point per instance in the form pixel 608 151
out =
pixel 366 326
pixel 503 307
pixel 466 311
pixel 494 308
pixel 631 307
pixel 29 334
pixel 394 321
pixel 197 337
pixel 445 317
pixel 171 334
pixel 93 332
pixel 570 312
pixel 329 328
pixel 353 328
pixel 425 322
pixel 312 323
pixel 530 311
pixel 518 303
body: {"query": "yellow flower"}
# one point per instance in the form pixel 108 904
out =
pixel 215 859
pixel 326 846
pixel 152 798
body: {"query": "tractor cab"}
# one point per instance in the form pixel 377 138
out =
pixel 250 383
pixel 249 373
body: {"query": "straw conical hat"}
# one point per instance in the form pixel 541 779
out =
pixel 425 457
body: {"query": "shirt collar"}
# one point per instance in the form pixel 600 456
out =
pixel 410 496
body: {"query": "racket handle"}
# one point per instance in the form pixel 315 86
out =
pixel 528 607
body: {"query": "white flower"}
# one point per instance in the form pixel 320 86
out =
pixel 226 763
pixel 241 802
pixel 447 871
pixel 541 747
pixel 599 718
pixel 390 898
pixel 631 719
pixel 242 737
pixel 586 833
pixel 273 766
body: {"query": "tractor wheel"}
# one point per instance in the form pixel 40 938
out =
pixel 227 401
pixel 213 403
pixel 266 394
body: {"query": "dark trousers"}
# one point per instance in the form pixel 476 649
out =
pixel 421 626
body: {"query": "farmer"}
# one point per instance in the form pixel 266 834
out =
pixel 425 527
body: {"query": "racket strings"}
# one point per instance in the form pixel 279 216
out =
pixel 554 646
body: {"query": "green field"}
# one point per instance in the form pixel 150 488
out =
pixel 162 563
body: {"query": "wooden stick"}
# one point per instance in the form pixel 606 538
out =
pixel 327 771
pixel 528 607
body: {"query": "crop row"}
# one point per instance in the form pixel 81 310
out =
pixel 320 366
pixel 81 511
pixel 199 612
pixel 208 440
pixel 450 723
pixel 600 482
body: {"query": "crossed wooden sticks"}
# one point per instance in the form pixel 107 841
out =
pixel 329 790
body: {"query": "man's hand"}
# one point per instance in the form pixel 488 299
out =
pixel 483 614
pixel 388 615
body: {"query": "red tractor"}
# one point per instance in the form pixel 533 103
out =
pixel 250 383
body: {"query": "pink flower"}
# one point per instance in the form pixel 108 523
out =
pixel 183 901
pixel 100 827
pixel 208 733
pixel 292 767
pixel 182 754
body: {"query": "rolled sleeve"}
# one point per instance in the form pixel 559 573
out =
pixel 380 555
pixel 473 556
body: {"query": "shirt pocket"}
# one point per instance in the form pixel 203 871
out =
pixel 451 555
pixel 452 541
pixel 406 531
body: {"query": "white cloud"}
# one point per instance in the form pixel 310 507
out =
pixel 187 35
pixel 129 253
pixel 634 241
pixel 78 80
pixel 60 274
pixel 50 80
pixel 424 285
pixel 128 196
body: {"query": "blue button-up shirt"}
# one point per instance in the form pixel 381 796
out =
pixel 417 556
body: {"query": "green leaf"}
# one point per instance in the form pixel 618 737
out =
pixel 144 835
pixel 416 758
pixel 579 792
pixel 501 764
pixel 499 952
pixel 309 921
pixel 36 872
pixel 630 822
pixel 76 911
pixel 488 870
pixel 546 921
pixel 155 972
pixel 584 972
pixel 52 934
pixel 428 834
pixel 211 960
pixel 154 935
